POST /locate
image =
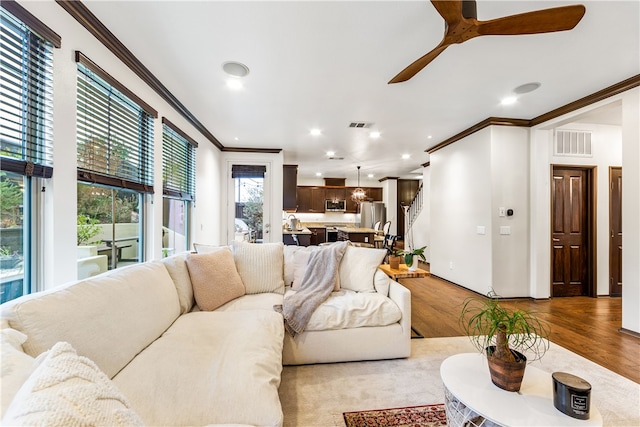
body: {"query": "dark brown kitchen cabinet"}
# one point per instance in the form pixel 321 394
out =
pixel 289 187
pixel 374 194
pixel 334 193
pixel 311 199
pixel 317 235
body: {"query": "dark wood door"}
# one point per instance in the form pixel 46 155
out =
pixel 615 235
pixel 570 239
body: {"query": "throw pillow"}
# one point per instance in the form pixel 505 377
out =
pixel 67 389
pixel 16 365
pixel 203 249
pixel 214 278
pixel 358 267
pixel 381 283
pixel 260 266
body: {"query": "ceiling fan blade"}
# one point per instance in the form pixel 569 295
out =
pixel 418 65
pixel 450 10
pixel 540 21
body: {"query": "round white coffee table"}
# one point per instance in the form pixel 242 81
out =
pixel 472 399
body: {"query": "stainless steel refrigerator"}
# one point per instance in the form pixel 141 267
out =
pixel 372 212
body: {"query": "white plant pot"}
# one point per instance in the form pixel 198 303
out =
pixel 414 264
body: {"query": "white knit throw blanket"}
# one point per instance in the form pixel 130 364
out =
pixel 316 286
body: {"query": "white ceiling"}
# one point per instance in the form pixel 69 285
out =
pixel 325 64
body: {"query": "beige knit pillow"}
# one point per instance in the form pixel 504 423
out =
pixel 261 266
pixel 215 278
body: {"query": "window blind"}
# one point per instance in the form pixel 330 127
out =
pixel 178 162
pixel 248 171
pixel 26 98
pixel 114 133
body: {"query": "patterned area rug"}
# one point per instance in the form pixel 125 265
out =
pixel 411 416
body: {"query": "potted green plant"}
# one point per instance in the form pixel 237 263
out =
pixel 411 256
pixel 504 335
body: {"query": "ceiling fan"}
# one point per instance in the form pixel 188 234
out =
pixel 461 24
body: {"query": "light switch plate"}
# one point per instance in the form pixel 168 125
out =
pixel 480 229
pixel 505 230
pixel 502 211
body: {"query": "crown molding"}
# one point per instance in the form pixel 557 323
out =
pixel 251 150
pixel 600 95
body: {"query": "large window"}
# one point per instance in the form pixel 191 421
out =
pixel 178 187
pixel 115 170
pixel 26 104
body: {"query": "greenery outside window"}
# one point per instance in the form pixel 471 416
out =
pixel 26 104
pixel 115 170
pixel 178 187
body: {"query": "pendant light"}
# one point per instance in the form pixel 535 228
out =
pixel 358 194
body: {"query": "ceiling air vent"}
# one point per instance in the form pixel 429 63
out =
pixel 359 125
pixel 336 158
pixel 576 143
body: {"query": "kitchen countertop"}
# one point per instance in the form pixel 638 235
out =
pixel 303 230
pixel 356 230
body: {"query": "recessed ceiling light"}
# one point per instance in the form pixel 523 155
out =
pixel 406 156
pixel 370 175
pixel 235 69
pixel 234 83
pixel 509 100
pixel 318 173
pixel 315 132
pixel 429 137
pixel 236 138
pixel 374 134
pixel 527 87
pixel 331 153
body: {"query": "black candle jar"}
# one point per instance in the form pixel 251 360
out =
pixel 571 395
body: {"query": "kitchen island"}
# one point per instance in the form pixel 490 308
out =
pixel 356 234
pixel 301 237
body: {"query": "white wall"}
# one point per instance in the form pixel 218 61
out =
pixel 460 202
pixel 607 152
pixel 510 190
pixel 60 195
pixel 631 210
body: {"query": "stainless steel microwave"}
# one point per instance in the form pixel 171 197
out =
pixel 335 205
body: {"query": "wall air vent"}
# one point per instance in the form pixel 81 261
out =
pixel 576 143
pixel 360 125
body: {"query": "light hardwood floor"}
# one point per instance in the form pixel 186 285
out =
pixel 586 326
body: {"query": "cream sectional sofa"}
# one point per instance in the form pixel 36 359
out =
pixel 139 328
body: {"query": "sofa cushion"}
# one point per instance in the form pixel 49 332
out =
pixel 215 278
pixel 260 266
pixel 358 267
pixel 16 365
pixel 264 301
pixel 67 389
pixel 177 267
pixel 349 309
pixel 121 312
pixel 215 367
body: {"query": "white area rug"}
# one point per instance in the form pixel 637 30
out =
pixel 317 395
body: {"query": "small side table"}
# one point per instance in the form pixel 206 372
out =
pixel 471 399
pixel 402 272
